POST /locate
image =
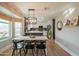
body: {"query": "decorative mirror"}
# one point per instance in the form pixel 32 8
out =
pixel 59 25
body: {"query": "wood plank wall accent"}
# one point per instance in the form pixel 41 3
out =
pixel 5 17
pixel 11 8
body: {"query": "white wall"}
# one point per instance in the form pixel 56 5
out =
pixel 68 37
pixel 45 21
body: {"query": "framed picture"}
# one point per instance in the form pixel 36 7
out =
pixel 72 22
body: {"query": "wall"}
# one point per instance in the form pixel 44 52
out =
pixel 68 38
pixel 45 21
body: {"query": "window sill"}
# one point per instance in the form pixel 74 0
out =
pixel 4 39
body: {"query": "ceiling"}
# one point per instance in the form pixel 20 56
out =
pixel 45 9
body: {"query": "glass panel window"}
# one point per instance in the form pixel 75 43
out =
pixel 4 28
pixel 18 29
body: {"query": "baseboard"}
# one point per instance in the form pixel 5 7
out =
pixel 66 49
pixel 5 48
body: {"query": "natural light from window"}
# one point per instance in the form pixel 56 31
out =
pixel 4 29
pixel 17 29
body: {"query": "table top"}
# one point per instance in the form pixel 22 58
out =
pixel 35 32
pixel 30 38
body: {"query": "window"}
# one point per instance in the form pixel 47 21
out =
pixel 18 29
pixel 4 29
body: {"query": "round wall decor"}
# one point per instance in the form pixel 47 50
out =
pixel 59 25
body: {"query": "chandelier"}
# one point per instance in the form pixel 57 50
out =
pixel 31 19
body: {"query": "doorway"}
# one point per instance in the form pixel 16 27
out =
pixel 53 28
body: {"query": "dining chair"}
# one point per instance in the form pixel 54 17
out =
pixel 30 45
pixel 41 47
pixel 18 46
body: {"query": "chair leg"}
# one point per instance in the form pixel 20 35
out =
pixel 44 52
pixel 26 51
pixel 20 52
pixel 37 52
pixel 41 52
pixel 16 52
pixel 33 52
pixel 13 52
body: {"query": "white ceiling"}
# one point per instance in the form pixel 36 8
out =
pixel 53 9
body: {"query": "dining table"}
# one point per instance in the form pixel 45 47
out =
pixel 31 38
pixel 34 38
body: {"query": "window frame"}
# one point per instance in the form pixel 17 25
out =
pixel 3 21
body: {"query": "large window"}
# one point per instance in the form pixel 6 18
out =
pixel 4 29
pixel 18 28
